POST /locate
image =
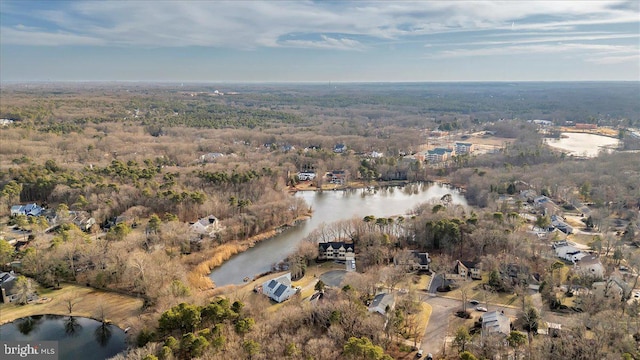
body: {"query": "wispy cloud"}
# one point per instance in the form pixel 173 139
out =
pixel 325 42
pixel 253 24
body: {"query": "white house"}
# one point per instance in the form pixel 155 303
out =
pixel 28 210
pixel 569 253
pixel 382 303
pixel 335 251
pixel 207 226
pixel 590 265
pixel 279 289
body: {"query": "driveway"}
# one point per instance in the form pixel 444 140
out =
pixel 333 278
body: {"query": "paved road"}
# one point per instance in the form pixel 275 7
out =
pixel 442 309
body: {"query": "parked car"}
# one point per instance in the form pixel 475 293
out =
pixel 483 309
pixel 474 302
pixel 419 354
pixel 429 356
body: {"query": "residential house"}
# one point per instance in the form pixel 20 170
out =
pixel 569 253
pixel 528 195
pixel 335 251
pixel 558 223
pixel 465 269
pixel 339 148
pixel 207 226
pixel 517 274
pixel 382 303
pixel 415 261
pixel 338 177
pixel 495 322
pixel 28 210
pixel 210 157
pixel 463 148
pixel 590 265
pixel 304 176
pixel 82 220
pixel 279 289
pixel 611 287
pixel 7 283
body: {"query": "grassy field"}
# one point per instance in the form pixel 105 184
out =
pixel 119 309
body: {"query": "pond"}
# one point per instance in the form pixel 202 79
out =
pixel 584 145
pixel 78 337
pixel 328 207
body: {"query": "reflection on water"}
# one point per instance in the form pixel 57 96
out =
pixel 102 334
pixel 27 325
pixel 72 325
pixel 329 207
pixel 78 337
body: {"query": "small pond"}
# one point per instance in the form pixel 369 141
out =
pixel 78 337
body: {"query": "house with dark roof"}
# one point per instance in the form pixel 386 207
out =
pixel 415 260
pixel 466 269
pixel 335 251
pixel 7 283
pixel 382 303
pixel 558 223
pixel 339 148
pixel 279 289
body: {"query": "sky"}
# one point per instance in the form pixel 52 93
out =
pixel 319 41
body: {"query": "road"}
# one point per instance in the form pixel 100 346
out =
pixel 438 327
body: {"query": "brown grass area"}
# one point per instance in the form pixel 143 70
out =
pixel 206 261
pixel 121 310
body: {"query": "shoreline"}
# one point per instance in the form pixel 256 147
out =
pixel 206 261
pixel 120 310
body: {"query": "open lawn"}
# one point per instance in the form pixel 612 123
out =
pixel 121 310
pixel 475 291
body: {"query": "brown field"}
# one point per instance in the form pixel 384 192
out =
pixel 121 310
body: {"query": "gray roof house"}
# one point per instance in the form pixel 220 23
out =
pixel 495 322
pixel 382 303
pixel 279 289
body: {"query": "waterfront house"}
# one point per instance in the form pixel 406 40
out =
pixel 279 289
pixel 335 251
pixel 207 226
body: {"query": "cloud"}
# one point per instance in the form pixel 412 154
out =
pixel 254 24
pixel 587 51
pixel 325 42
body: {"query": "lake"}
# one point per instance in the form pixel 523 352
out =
pixel 584 145
pixel 329 207
pixel 78 337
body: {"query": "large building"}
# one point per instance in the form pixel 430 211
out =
pixel 463 148
pixel 335 251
